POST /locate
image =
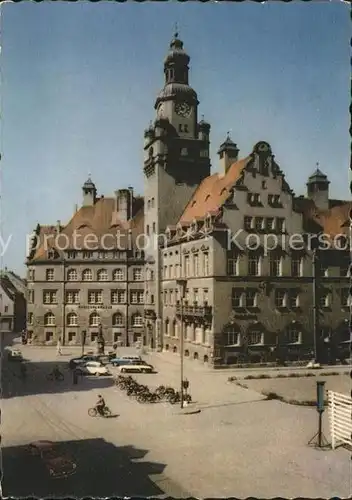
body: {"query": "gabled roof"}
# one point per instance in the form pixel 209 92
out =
pixel 8 287
pixel 213 192
pixel 100 219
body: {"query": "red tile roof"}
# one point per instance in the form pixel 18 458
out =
pixel 213 192
pixel 99 220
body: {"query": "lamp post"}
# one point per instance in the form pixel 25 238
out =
pixel 315 304
pixel 182 285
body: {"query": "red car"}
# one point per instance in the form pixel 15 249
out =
pixel 58 463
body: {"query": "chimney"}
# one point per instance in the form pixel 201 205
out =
pixel 228 154
pixel 124 198
pixel 58 226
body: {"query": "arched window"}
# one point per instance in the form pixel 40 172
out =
pixel 137 320
pixel 49 319
pixel 117 319
pixel 72 275
pixel 94 319
pixel 102 275
pixel 167 327
pixel 72 319
pixel 87 275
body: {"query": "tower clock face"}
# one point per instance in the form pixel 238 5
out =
pixel 183 109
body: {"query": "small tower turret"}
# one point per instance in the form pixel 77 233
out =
pixel 318 189
pixel 228 153
pixel 89 193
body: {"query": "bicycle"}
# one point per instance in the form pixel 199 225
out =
pixel 93 412
pixel 55 376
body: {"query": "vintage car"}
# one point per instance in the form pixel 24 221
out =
pixel 93 368
pixel 55 459
pixel 14 355
pixel 81 360
pixel 137 367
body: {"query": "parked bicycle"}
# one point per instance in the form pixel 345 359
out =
pixel 55 375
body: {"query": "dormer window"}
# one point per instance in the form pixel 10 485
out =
pixel 194 227
pixel 253 199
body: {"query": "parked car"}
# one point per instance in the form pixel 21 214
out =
pixel 81 360
pixel 58 463
pixel 93 368
pixel 121 362
pixel 14 355
pixel 136 368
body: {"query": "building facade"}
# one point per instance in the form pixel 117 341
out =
pixel 12 303
pixel 234 261
pixel 89 274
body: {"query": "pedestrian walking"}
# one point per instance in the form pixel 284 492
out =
pixel 58 347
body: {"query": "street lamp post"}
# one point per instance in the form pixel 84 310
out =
pixel 182 285
pixel 315 304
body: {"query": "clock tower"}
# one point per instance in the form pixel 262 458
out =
pixel 176 160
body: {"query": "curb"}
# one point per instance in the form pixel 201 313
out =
pixel 188 412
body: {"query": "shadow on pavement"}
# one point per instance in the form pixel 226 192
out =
pixel 35 382
pixel 103 470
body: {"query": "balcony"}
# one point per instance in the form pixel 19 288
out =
pixel 195 310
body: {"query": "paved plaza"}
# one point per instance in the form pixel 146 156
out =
pixel 238 445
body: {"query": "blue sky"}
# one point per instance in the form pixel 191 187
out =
pixel 80 80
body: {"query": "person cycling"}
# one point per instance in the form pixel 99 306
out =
pixel 100 405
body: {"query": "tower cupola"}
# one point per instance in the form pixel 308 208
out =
pixel 89 193
pixel 228 154
pixel 318 189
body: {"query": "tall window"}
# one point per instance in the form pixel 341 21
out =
pixel 237 298
pixel 50 296
pixel 280 298
pixel 95 297
pixel 206 263
pixel 72 297
pixel 293 299
pixel 345 266
pixel 49 274
pixel 251 298
pixel 72 275
pixel 94 319
pixel 102 275
pixel 293 335
pixel 72 319
pixel 117 275
pixel 205 294
pixel 118 296
pixel 30 318
pixel 31 296
pixel 87 275
pixel 280 225
pixel 232 264
pixel 195 265
pixel 49 319
pixel 324 299
pixel 248 223
pixel 117 319
pixel 232 336
pixel 296 265
pixel 31 275
pixel 275 265
pixel 253 264
pixel 187 266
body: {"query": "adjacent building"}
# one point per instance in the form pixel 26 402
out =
pixel 12 303
pixel 88 274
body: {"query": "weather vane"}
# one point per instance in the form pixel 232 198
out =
pixel 176 30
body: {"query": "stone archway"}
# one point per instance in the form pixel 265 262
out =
pixel 195 355
pixel 166 347
pixel 205 358
pixel 174 349
pixel 187 353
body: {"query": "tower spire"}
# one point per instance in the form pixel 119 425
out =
pixel 176 30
